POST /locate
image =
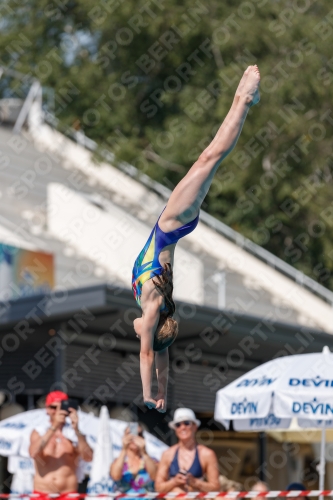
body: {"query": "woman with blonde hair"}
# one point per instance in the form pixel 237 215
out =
pixel 152 279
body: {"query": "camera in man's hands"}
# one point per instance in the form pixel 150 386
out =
pixel 69 403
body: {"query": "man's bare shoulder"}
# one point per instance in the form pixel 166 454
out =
pixel 34 435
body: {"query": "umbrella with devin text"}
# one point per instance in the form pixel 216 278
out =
pixel 271 395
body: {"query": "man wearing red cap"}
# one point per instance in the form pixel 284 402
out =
pixel 56 449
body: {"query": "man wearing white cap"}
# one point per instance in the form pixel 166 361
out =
pixel 187 466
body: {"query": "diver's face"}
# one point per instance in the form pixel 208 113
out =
pixel 137 323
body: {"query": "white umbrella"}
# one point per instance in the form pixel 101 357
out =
pixel 269 396
pixel 100 481
pixel 23 471
pixel 296 434
pixel 15 433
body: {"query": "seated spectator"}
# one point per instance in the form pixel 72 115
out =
pixel 187 466
pixel 56 449
pixel 133 471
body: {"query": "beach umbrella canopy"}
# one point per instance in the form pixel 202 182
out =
pixel 268 397
pixel 15 433
pixel 297 434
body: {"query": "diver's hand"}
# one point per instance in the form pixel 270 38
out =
pixel 161 403
pixel 150 402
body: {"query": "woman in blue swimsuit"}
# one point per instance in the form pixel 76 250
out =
pixel 187 466
pixel 152 272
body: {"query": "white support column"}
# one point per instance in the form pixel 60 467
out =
pixel 220 279
pixel 322 465
pixel 33 93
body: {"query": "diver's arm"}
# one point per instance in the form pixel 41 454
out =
pixel 150 322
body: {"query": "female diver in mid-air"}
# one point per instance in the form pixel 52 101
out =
pixel 152 272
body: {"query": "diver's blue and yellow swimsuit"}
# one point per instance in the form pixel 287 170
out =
pixel 147 264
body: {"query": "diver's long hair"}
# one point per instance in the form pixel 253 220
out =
pixel 167 328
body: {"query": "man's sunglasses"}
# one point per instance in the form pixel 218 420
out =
pixel 184 422
pixel 53 407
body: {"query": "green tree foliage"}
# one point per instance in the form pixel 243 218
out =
pixel 152 80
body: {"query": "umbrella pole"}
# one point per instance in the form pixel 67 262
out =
pixel 322 461
pixel 262 456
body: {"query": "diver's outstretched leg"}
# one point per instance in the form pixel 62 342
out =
pixel 186 199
